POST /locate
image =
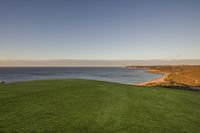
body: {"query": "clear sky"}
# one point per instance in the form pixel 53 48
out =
pixel 99 29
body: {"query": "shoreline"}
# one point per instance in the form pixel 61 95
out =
pixel 172 76
pixel 154 81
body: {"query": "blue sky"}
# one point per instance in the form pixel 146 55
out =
pixel 103 29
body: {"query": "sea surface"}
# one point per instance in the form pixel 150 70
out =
pixel 112 74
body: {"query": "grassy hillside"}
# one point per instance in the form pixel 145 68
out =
pixel 84 106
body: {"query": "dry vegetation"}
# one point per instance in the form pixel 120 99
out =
pixel 179 76
pixel 182 76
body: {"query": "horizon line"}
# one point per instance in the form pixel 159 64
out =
pixel 97 63
pixel 97 59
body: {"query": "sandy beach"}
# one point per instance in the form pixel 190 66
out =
pixel 174 76
pixel 154 81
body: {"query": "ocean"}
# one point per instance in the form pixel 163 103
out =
pixel 111 74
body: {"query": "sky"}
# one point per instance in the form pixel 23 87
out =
pixel 99 29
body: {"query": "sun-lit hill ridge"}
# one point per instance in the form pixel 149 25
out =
pixel 176 75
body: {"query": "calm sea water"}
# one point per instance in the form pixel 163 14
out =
pixel 113 74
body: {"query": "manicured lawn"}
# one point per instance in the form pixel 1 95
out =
pixel 85 106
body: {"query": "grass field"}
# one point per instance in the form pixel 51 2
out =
pixel 84 106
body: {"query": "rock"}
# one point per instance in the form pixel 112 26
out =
pixel 2 82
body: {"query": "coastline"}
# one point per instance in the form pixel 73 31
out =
pixel 176 77
pixel 156 80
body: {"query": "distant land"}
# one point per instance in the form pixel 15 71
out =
pixel 97 63
pixel 174 76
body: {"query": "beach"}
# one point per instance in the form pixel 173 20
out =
pixel 180 77
pixel 154 81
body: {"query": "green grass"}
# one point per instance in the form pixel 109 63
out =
pixel 84 106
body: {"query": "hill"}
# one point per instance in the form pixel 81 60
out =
pixel 175 76
pixel 85 106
